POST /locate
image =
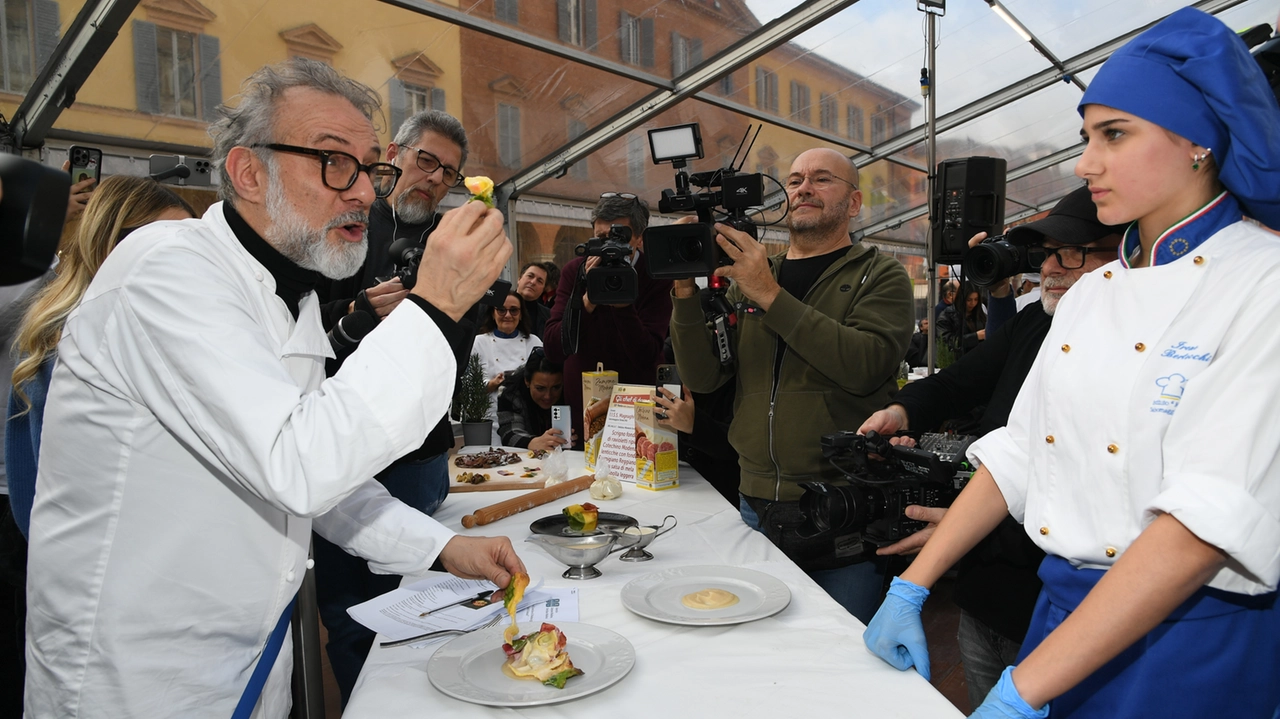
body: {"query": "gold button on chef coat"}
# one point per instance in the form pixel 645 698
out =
pixel 1044 531
pixel 1049 439
pixel 1112 448
pixel 1111 551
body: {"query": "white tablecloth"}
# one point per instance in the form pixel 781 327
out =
pixel 808 660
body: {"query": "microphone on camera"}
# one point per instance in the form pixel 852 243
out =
pixel 346 335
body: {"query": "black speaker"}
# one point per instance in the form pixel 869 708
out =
pixel 969 198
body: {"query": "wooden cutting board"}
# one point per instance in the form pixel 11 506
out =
pixel 498 482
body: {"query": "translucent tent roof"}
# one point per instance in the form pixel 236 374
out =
pixel 556 95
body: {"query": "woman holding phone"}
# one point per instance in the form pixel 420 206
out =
pixel 1141 453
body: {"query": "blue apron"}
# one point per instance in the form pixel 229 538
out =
pixel 1218 654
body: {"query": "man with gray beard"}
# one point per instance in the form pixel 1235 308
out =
pixel 996 586
pixel 429 148
pixel 191 440
pixel 821 330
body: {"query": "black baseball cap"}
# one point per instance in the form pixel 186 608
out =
pixel 1073 221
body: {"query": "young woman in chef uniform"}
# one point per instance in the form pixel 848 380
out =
pixel 1143 453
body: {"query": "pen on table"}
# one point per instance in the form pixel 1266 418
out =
pixel 477 597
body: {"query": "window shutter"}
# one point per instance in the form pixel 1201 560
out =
pixel 677 55
pixel 508 11
pixel 210 77
pixel 395 104
pixel 761 100
pixel 695 52
pixel 795 98
pixel 590 30
pixel 48 29
pixel 145 72
pixel 624 36
pixel 564 21
pixel 646 41
pixel 437 99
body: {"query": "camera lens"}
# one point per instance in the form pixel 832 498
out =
pixel 613 283
pixel 993 260
pixel 689 250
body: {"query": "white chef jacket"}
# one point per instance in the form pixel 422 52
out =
pixel 189 441
pixel 502 354
pixel 1156 390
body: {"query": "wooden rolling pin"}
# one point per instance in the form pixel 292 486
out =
pixel 528 500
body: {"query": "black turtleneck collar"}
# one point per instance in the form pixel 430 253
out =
pixel 292 281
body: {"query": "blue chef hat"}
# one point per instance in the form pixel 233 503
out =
pixel 1192 75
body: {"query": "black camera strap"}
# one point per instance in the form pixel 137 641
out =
pixel 569 324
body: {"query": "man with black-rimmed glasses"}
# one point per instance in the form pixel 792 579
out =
pixel 429 149
pixel 625 338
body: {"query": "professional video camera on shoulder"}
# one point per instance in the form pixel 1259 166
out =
pixel 678 252
pixel 614 281
pixel 882 479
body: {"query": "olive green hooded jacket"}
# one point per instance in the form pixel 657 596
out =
pixel 845 340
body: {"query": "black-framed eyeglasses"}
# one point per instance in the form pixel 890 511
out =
pixel 513 311
pixel 623 195
pixel 339 170
pixel 1069 257
pixel 819 182
pixel 429 163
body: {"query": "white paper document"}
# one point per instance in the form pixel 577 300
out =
pixel 398 613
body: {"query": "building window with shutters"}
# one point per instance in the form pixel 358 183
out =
pixel 178 69
pixel 507 11
pixel 800 102
pixel 726 85
pixel 830 113
pixel 766 90
pixel 508 135
pixel 29 32
pixel 420 99
pixel 877 129
pixel 686 53
pixel 855 123
pixel 635 39
pixel 578 170
pixel 576 22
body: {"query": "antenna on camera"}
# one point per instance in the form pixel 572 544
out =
pixel 749 145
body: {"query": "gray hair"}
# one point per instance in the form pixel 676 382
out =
pixel 437 121
pixel 252 122
pixel 618 207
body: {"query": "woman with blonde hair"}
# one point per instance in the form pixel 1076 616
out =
pixel 119 206
pixel 1142 453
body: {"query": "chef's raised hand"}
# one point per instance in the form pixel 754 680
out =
pixel 1004 702
pixel 895 633
pixel 467 251
pixel 491 558
pixel 750 269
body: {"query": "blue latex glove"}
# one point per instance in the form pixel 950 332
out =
pixel 1004 702
pixel 895 633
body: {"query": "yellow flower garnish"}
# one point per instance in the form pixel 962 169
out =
pixel 481 189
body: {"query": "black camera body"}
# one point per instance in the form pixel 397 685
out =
pixel 995 258
pixel 679 252
pixel 614 281
pixel 877 491
pixel 406 256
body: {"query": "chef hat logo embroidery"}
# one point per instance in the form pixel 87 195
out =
pixel 1172 386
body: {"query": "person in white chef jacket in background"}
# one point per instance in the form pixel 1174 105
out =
pixel 504 343
pixel 191 441
pixel 1142 453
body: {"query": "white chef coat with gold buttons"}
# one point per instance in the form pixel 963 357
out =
pixel 1166 401
pixel 188 443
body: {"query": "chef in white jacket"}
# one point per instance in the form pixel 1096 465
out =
pixel 191 442
pixel 1142 453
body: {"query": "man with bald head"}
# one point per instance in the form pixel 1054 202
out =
pixel 822 328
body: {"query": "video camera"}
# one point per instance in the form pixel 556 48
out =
pixel 614 281
pixel 996 258
pixel 406 255
pixel 878 491
pixel 678 252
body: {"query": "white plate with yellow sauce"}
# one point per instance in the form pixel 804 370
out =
pixel 470 667
pixel 698 596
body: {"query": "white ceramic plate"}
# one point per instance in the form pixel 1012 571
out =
pixel 470 667
pixel 657 596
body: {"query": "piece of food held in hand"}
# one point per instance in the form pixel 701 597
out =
pixel 582 517
pixel 481 189
pixel 511 601
pixel 540 656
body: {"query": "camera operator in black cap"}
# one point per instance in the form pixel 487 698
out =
pixel 997 585
pixel 626 338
